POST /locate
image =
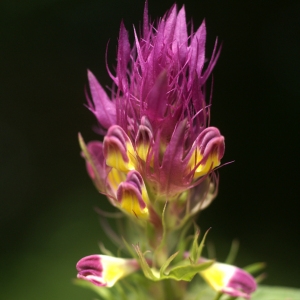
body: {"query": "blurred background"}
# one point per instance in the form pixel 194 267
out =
pixel 47 201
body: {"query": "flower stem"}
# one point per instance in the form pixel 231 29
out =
pixel 218 296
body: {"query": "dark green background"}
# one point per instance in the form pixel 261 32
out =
pixel 46 213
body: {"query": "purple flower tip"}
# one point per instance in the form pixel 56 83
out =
pixel 90 268
pixel 103 270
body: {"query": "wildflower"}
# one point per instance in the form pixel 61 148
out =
pixel 230 280
pixel 103 270
pixel 158 147
pixel 157 119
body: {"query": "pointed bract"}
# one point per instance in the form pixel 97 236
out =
pixel 102 107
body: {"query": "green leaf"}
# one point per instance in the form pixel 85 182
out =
pixel 201 291
pixel 276 293
pixel 187 273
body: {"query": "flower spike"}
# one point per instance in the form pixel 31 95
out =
pixel 158 159
pixel 103 270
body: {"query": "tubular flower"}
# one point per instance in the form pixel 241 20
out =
pixel 103 270
pixel 230 280
pixel 132 195
pixel 157 118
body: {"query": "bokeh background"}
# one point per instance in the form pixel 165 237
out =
pixel 46 198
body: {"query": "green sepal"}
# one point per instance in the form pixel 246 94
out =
pixel 187 273
pixel 144 265
pixel 256 267
pixel 129 249
pixel 196 250
pixel 201 246
pixel 104 250
pixel 233 252
pixel 180 272
pixel 166 264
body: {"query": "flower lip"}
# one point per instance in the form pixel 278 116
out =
pixel 90 268
pixel 211 141
pixel 91 262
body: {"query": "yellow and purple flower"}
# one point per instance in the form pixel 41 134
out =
pixel 103 270
pixel 156 121
pixel 229 280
